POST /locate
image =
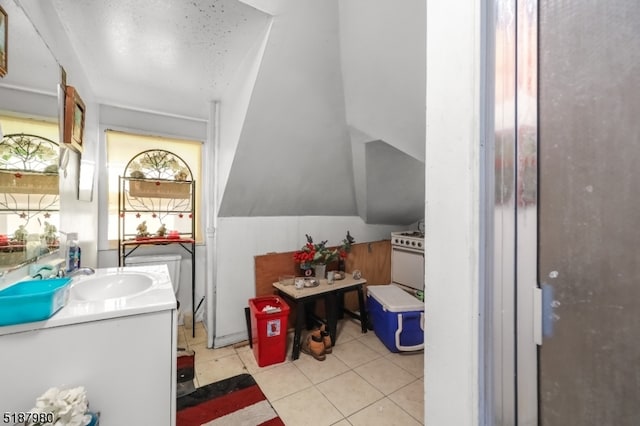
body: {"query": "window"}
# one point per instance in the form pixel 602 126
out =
pixel 29 200
pixel 122 147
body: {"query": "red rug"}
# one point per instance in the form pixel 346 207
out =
pixel 234 401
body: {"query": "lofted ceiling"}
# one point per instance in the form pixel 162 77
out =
pixel 161 55
pixel 323 70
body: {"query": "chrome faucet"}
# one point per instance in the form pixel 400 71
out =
pixel 85 270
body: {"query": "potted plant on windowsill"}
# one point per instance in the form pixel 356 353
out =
pixel 28 165
pixel 158 174
pixel 25 182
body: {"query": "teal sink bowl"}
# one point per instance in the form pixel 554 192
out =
pixel 32 300
pixel 111 286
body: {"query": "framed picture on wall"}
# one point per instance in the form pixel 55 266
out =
pixel 74 111
pixel 4 37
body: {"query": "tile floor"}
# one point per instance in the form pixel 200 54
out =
pixel 360 383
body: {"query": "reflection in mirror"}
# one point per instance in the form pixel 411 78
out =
pixel 29 145
pixel 29 196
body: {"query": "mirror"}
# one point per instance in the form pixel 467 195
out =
pixel 29 151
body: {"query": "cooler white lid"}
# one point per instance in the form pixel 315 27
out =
pixel 394 299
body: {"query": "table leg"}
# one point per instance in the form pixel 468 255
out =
pixel 331 306
pixel 340 305
pixel 363 309
pixel 300 322
pixel 310 310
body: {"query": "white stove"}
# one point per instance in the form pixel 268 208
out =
pixel 408 239
pixel 407 260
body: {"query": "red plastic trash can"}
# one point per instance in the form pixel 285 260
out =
pixel 269 317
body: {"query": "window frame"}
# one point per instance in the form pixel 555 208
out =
pixel 104 242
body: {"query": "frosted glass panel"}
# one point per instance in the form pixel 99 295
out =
pixel 589 131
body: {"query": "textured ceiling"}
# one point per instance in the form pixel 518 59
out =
pixel 161 55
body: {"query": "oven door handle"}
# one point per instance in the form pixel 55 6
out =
pixel 399 331
pixel 411 250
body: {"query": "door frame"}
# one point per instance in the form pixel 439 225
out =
pixel 510 215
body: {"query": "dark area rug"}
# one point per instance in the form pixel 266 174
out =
pixel 234 401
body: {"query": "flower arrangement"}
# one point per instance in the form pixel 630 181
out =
pixel 319 254
pixel 61 407
pixel 345 248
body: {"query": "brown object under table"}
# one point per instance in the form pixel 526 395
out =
pixel 330 293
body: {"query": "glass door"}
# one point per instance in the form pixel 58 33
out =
pixel 589 237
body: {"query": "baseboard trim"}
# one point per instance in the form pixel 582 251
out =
pixel 229 339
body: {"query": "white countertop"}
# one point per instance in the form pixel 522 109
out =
pixel 157 298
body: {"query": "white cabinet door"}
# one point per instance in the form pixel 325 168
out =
pixel 127 366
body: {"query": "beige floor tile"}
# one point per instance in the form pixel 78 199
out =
pixel 413 362
pixel 251 363
pixel 307 407
pixel 411 399
pixel 354 353
pixel 245 348
pixel 342 422
pixel 281 380
pixel 372 341
pixel 386 376
pixel 382 413
pixel 348 329
pixel 206 354
pixel 200 335
pixel 218 369
pixel 319 371
pixel 349 392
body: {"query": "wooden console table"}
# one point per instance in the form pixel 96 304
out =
pixel 330 293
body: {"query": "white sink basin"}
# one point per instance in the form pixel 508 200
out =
pixel 111 286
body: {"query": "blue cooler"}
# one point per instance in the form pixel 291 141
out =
pixel 397 317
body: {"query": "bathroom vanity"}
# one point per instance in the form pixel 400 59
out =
pixel 115 338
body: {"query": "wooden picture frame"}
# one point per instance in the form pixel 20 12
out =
pixel 74 112
pixel 4 41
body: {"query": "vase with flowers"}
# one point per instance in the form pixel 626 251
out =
pixel 315 256
pixel 345 249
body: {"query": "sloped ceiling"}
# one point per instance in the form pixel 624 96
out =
pixel 293 157
pixel 324 68
pixel 335 78
pixel 394 182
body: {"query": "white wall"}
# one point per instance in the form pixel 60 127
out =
pixel 233 110
pixel 452 212
pixel 383 64
pixel 32 104
pixel 293 156
pixel 283 134
pixel 240 239
pixel 327 67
